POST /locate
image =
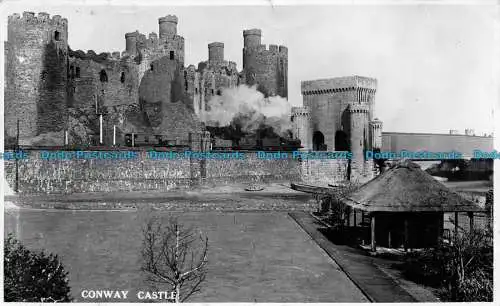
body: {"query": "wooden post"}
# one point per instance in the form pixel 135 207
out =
pixel 354 217
pixel 406 237
pixel 133 139
pixel 456 224
pixel 440 228
pixel 16 186
pixel 100 129
pixel 471 221
pixel 373 242
pixel 389 240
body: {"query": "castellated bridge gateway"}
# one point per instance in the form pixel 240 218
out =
pixel 61 96
pixel 338 115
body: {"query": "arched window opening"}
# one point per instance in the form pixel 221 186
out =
pixel 196 90
pixel 72 71
pixel 219 92
pixel 152 67
pixel 186 85
pixel 103 76
pixel 212 91
pixel 122 77
pixel 171 55
pixel 57 35
pixel 341 141
pixel 319 141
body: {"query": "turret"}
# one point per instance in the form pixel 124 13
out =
pixel 167 26
pixel 376 134
pixel 131 42
pixel 358 114
pixel 265 68
pixel 215 53
pixel 36 66
pixel 252 38
pixel 301 126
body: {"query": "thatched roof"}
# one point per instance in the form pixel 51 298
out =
pixel 405 187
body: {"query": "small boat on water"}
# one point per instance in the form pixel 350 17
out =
pixel 311 188
pixel 254 187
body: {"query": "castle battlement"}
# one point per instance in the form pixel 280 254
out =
pixel 257 32
pixel 340 84
pixel 268 49
pixel 168 18
pixel 301 111
pixel 376 123
pixel 359 108
pixel 132 34
pixel 103 57
pixel 216 44
pixel 41 18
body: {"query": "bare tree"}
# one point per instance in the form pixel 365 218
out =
pixel 174 256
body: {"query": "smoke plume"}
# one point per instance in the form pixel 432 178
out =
pixel 247 108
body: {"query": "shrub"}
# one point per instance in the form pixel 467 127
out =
pixel 462 269
pixel 33 276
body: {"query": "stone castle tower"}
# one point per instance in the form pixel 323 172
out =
pixel 301 126
pixel 35 74
pixel 340 118
pixel 268 68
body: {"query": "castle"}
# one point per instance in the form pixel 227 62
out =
pixel 86 98
pixel 61 94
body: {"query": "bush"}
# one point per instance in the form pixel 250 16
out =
pixel 462 270
pixel 33 276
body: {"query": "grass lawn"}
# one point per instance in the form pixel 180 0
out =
pixel 253 256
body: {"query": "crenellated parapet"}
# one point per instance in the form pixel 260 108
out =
pixel 301 111
pixel 358 108
pixel 41 28
pixel 376 124
pixel 41 18
pixel 366 87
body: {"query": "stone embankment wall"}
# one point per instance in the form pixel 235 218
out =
pixel 100 175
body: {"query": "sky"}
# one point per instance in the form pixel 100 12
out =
pixel 436 65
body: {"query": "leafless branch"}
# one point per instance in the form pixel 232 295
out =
pixel 171 257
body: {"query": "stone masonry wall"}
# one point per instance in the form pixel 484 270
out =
pixel 99 175
pixel 323 172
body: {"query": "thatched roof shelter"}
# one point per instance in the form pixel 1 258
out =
pixel 405 187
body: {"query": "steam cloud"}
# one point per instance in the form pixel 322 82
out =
pixel 248 108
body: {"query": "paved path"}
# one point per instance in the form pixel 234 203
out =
pixel 376 285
